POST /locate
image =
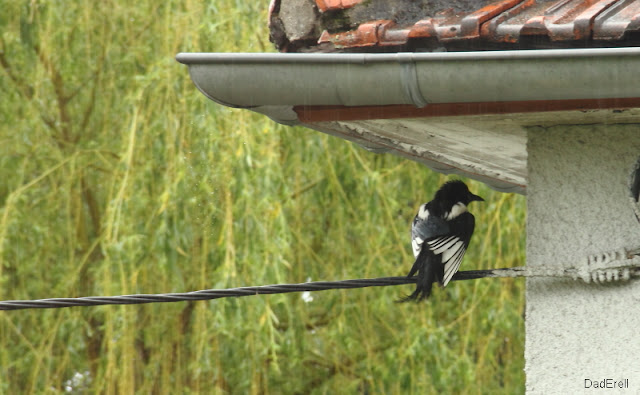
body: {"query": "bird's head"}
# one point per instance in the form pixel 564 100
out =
pixel 455 193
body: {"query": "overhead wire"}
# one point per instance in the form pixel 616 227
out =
pixel 615 274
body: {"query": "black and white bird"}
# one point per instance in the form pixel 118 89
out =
pixel 440 235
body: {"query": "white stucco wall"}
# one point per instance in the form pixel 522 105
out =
pixel 578 205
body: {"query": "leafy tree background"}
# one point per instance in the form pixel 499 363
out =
pixel 117 176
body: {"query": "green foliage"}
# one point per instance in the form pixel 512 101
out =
pixel 119 177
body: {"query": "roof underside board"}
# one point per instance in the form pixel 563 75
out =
pixel 487 148
pixel 490 154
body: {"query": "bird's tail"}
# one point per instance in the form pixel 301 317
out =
pixel 426 276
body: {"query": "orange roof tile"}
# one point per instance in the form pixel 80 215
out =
pixel 329 5
pixel 592 22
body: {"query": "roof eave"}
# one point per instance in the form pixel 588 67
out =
pixel 290 87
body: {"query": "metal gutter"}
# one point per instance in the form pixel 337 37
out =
pixel 251 80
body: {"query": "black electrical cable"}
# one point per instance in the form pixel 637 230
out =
pixel 221 293
pixel 209 294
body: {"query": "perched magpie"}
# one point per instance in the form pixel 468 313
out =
pixel 440 235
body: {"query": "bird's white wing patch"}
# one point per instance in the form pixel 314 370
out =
pixel 416 245
pixel 423 213
pixel 452 250
pixel 442 244
pixel 456 210
pixel 452 262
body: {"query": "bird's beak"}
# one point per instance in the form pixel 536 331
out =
pixel 473 197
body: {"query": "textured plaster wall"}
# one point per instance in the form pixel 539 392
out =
pixel 577 206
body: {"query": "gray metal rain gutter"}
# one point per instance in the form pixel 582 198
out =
pixel 272 83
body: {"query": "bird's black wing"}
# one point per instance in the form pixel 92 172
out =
pixel 452 246
pixel 426 229
pixel 427 266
